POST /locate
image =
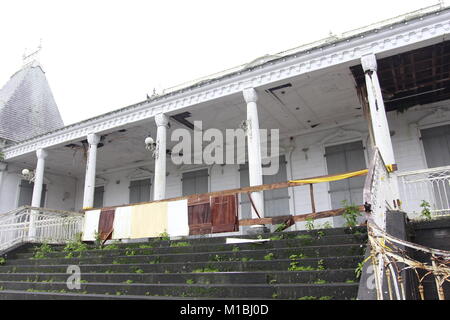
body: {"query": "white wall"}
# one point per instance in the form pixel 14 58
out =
pixel 61 190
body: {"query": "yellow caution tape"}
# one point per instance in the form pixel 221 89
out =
pixel 337 177
pixel 333 178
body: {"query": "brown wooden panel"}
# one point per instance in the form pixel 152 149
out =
pixel 199 217
pixel 224 213
pixel 105 223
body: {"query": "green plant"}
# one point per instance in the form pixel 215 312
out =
pixel 2 156
pixel 206 269
pixel 278 237
pixel 327 225
pixel 320 265
pixel 75 246
pixel 280 227
pixel 308 298
pixel 269 256
pixel 130 253
pixel 138 271
pixel 309 224
pixel 129 281
pixel 351 213
pixel 112 246
pixel 42 251
pixel 190 281
pixel 297 256
pixel 359 268
pixel 180 244
pixel 326 298
pixel 164 236
pixel 245 259
pixel 426 212
pixel 236 249
pixel 320 234
pixel 320 281
pixel 2 261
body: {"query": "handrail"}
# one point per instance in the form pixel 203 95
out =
pixel 389 259
pixel 31 224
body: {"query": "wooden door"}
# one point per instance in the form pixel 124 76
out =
pixel 199 215
pixel 105 223
pixel 224 214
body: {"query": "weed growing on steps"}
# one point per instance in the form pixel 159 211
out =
pixel 269 256
pixel 75 246
pixel 130 253
pixel 2 261
pixel 179 244
pixel 320 281
pixel 128 281
pixel 359 268
pixel 112 246
pixel 351 213
pixel 205 269
pixel 309 224
pixel 138 271
pixel 190 281
pixel 236 249
pixel 280 227
pixel 426 212
pixel 42 251
pixel 320 265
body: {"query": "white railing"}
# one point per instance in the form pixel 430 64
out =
pixel 392 257
pixel 430 185
pixel 49 226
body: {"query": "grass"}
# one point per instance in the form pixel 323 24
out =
pixel 179 244
pixel 206 269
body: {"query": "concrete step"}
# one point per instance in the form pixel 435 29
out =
pixel 149 248
pixel 275 291
pixel 256 277
pixel 199 242
pixel 145 255
pixel 223 266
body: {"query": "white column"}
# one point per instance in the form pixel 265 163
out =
pixel 89 181
pixel 382 136
pixel 379 122
pixel 162 122
pixel 37 190
pixel 38 178
pixel 3 167
pixel 254 150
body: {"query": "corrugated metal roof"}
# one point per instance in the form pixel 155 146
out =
pixel 27 106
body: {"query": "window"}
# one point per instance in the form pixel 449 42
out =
pixel 26 193
pixel 195 182
pixel 98 196
pixel 140 190
pixel 276 202
pixel 344 158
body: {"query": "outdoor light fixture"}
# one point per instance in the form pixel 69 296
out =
pixel 29 175
pixel 150 145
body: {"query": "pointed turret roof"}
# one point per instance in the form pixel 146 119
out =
pixel 27 106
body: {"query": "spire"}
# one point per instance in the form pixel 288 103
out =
pixel 27 106
pixel 32 58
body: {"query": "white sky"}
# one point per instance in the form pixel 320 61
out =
pixel 101 55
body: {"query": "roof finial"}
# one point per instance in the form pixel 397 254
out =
pixel 33 56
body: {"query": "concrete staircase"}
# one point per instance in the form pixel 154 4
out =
pixel 305 265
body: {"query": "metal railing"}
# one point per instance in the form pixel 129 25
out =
pixel 429 185
pixel 28 224
pixel 392 257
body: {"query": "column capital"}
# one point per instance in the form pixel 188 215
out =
pixel 93 138
pixel 41 154
pixel 250 95
pixel 161 120
pixel 3 166
pixel 369 62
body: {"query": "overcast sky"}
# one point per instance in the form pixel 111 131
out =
pixel 101 55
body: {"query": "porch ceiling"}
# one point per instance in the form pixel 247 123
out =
pixel 306 102
pixel 412 78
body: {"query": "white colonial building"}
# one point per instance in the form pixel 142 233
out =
pixel 385 85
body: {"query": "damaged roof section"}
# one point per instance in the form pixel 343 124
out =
pixel 412 78
pixel 27 106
